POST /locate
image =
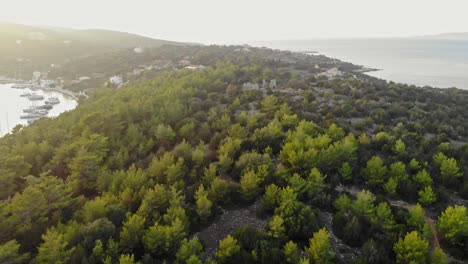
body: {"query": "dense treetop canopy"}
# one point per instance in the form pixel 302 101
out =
pixel 346 170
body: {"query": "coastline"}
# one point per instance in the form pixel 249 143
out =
pixel 366 70
pixel 12 105
pixel 388 76
pixel 58 89
pixel 420 62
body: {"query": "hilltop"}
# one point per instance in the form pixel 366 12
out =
pixel 26 48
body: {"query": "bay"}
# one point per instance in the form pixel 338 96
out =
pixel 12 105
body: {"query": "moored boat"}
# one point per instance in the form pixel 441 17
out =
pixel 46 107
pixel 30 110
pixel 36 87
pixel 52 101
pixel 31 116
pixel 35 97
pixel 20 86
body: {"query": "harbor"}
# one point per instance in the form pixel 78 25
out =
pixel 23 103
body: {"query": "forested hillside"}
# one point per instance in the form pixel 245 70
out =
pixel 24 49
pixel 315 170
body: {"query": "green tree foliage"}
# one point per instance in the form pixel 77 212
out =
pixel 335 132
pixel 427 195
pixel 290 251
pixel 99 254
pixel 90 153
pixel 411 249
pixel 319 249
pixel 276 227
pixel 167 169
pixel 10 253
pixel 423 178
pixel 203 203
pixel 299 220
pixel 417 218
pixel 219 189
pixel 156 200
pixel 132 232
pixel 188 249
pixel 375 171
pixel 194 260
pixel 271 197
pixel 38 205
pixel 398 171
pixel 228 151
pixel 391 186
pixel 414 165
pixel 269 104
pixel 364 204
pixel 54 249
pixel 346 171
pixel 384 217
pixel 163 239
pixel 438 256
pixel 228 248
pixel 449 168
pixel 164 133
pixel 439 158
pixel 249 185
pixel 453 223
pixel 126 259
pixel 399 147
pixel 133 173
pixel 298 184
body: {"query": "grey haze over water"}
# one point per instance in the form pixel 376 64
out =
pixel 418 61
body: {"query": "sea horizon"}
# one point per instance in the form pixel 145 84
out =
pixel 438 63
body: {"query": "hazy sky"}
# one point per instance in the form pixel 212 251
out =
pixel 239 21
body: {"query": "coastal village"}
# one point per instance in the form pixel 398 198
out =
pixel 84 82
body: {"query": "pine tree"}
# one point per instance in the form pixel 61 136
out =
pixel 319 250
pixel 411 249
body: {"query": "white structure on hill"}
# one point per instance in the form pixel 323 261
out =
pixel 273 83
pixel 195 67
pixel 255 86
pixel 250 86
pixel 138 50
pixel 332 73
pixel 116 80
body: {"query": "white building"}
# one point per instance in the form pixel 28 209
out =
pixel 138 50
pixel 116 80
pixel 273 83
pixel 185 62
pixel 250 86
pixel 47 83
pixel 333 72
pixel 195 67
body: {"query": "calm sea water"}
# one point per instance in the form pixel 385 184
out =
pixel 12 105
pixel 438 63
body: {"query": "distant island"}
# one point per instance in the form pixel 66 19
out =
pixel 446 36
